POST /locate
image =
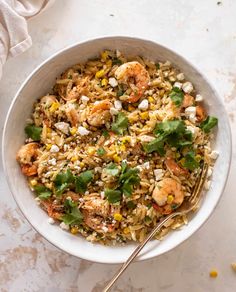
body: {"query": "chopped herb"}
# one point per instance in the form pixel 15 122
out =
pixel 208 124
pixel 128 178
pixel 82 181
pixel 112 169
pixel 121 124
pixel 190 161
pixel 177 96
pixel 105 133
pixel 120 91
pixel 113 196
pixel 157 66
pixel 101 151
pixel 147 219
pixel 63 181
pixel 70 77
pixel 169 127
pixel 73 217
pixel 155 145
pixel 42 192
pixel 116 61
pixel 130 205
pixel 33 132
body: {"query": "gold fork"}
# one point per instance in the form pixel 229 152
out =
pixel 190 203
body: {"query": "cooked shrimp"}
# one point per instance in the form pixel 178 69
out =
pixel 72 114
pixel 187 101
pixel 26 156
pixel 139 73
pixel 99 113
pixel 200 113
pixel 54 211
pixel 174 167
pixel 168 194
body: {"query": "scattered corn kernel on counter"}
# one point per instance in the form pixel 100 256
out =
pixel 116 146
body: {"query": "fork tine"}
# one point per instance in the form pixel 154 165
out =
pixel 200 182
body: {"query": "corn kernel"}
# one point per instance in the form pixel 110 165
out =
pixel 48 146
pixel 198 158
pixel 151 99
pixel 73 131
pixel 170 199
pixel 144 115
pixel 54 107
pixel 116 158
pixel 126 230
pixel 100 73
pixel 74 230
pixel 109 63
pixel 49 130
pixel 33 182
pixel 104 82
pixel 118 217
pixel 131 108
pixel 213 273
pixel 104 55
pixel 152 107
pixel 74 158
pixel 81 164
pixel 126 140
pixel 122 148
pixel 91 150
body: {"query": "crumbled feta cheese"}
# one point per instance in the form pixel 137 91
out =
pixel 190 110
pixel 84 98
pixel 158 173
pixel 193 130
pixel 192 118
pixel 209 172
pixel 105 229
pixel 86 193
pixel 83 131
pixel 207 185
pixel 199 97
pixel 64 226
pixel 118 104
pixel 214 154
pixel 178 84
pixel 51 220
pixel 54 149
pixel 63 127
pixel 113 111
pixel 118 53
pixel 146 165
pixel 187 87
pixel 97 102
pixel 133 141
pixel 37 200
pixel 65 147
pixel 102 195
pixel 180 76
pixel 143 105
pixel 52 161
pixel 113 82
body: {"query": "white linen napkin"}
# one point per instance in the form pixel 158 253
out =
pixel 14 37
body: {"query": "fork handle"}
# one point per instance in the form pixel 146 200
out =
pixel 137 251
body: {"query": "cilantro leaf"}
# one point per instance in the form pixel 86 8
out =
pixel 155 145
pixel 42 192
pixel 121 124
pixel 33 132
pixel 101 151
pixel 105 133
pixel 208 124
pixel 128 179
pixel 73 217
pixel 113 196
pixel 177 96
pixel 63 181
pixel 82 181
pixel 169 127
pixel 190 161
pixel 112 169
pixel 116 61
pixel 130 205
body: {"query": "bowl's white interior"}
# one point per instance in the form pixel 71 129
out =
pixel 41 81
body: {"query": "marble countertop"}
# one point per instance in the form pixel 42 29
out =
pixel 205 33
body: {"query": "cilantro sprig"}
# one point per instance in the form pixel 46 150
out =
pixel 190 161
pixel 73 216
pixel 208 124
pixel 82 181
pixel 112 169
pixel 33 132
pixel 120 124
pixel 177 96
pixel 173 133
pixel 42 192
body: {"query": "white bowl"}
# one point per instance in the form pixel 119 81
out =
pixel 41 81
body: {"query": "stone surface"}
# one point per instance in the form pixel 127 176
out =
pixel 205 33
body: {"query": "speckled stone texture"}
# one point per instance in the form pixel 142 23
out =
pixel 205 33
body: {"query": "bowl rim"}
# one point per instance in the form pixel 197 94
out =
pixel 89 40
